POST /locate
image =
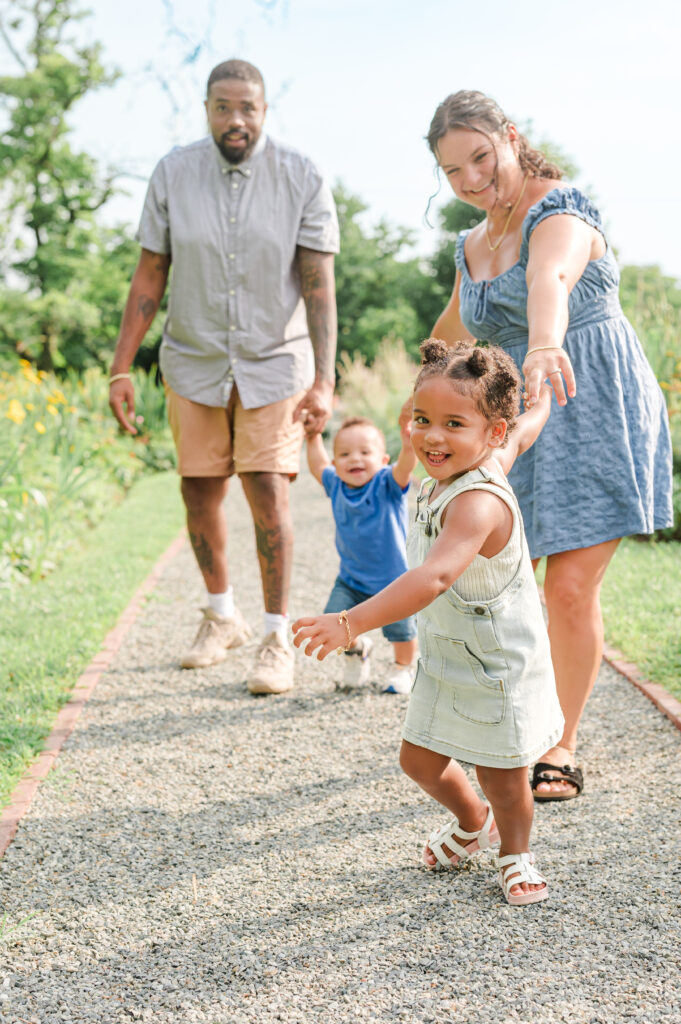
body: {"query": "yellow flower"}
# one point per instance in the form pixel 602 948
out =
pixel 16 412
pixel 73 408
pixel 40 427
pixel 57 396
pixel 29 407
pixel 30 374
pixel 52 409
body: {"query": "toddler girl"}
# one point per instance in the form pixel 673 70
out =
pixel 484 690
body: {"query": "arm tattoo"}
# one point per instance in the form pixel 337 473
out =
pixel 146 306
pixel 318 290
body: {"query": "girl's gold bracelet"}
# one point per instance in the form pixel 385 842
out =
pixel 343 617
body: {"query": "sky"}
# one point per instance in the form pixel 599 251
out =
pixel 354 84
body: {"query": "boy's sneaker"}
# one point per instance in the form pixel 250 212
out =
pixel 214 637
pixel 400 680
pixel 273 668
pixel 356 666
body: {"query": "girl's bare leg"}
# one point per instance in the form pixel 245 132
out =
pixel 445 780
pixel 572 591
pixel 508 791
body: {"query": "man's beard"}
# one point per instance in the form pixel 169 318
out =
pixel 232 154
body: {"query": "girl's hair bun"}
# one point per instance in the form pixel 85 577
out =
pixel 434 351
pixel 477 363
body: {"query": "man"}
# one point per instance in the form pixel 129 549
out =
pixel 248 344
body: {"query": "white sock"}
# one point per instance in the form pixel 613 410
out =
pixel 223 604
pixel 277 624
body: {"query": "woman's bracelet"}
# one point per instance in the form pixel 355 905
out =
pixel 540 348
pixel 343 617
pixel 119 376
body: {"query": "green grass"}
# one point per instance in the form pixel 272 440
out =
pixel 642 608
pixel 641 601
pixel 53 627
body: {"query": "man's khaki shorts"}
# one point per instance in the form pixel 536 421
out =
pixel 214 441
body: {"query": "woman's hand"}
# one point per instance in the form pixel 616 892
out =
pixel 325 632
pixel 552 364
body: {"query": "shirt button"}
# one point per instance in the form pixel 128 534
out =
pixel 231 255
pixel 232 220
pixel 479 611
pixel 235 184
pixel 232 327
pixel 224 170
pixel 232 292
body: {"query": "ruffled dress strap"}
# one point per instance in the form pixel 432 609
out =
pixel 459 256
pixel 559 200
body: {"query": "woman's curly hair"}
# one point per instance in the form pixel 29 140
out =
pixel 475 111
pixel 487 374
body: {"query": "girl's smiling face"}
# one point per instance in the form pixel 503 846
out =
pixel 449 433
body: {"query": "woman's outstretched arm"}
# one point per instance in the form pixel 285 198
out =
pixel 560 248
pixel 448 326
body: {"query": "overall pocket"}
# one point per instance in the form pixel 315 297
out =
pixel 475 695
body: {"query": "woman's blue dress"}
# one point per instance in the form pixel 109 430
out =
pixel 602 466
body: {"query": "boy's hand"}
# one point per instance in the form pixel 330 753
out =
pixel 405 429
pixel 323 631
pixel 404 419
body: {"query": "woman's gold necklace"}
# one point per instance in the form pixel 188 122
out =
pixel 493 248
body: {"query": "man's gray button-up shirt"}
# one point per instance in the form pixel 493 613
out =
pixel 235 311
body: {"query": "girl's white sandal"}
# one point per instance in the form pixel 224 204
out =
pixel 515 869
pixel 487 837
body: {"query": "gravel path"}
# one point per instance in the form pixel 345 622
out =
pixel 198 854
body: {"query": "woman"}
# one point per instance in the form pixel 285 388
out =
pixel 538 278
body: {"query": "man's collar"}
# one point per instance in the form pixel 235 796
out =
pixel 246 166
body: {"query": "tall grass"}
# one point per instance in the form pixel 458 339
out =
pixel 380 390
pixel 653 305
pixel 63 462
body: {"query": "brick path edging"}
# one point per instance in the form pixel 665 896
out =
pixel 660 697
pixel 25 790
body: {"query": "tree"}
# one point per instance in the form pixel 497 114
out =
pixel 50 192
pixel 380 295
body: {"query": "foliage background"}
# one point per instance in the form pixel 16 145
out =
pixel 64 283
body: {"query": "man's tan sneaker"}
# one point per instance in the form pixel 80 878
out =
pixel 273 669
pixel 215 636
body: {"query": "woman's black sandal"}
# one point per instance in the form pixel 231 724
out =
pixel 545 772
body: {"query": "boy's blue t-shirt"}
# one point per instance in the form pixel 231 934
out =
pixel 371 529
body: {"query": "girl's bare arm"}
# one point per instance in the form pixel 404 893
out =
pixel 470 520
pixel 527 429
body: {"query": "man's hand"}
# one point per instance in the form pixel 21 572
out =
pixel 122 393
pixel 314 408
